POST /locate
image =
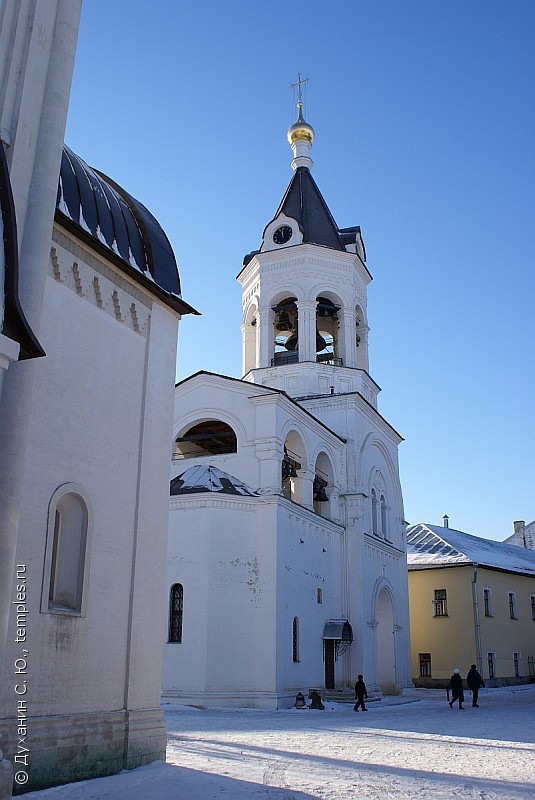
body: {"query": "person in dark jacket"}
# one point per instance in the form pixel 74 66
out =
pixel 474 682
pixel 456 687
pixel 360 694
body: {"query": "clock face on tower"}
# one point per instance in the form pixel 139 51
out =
pixel 282 234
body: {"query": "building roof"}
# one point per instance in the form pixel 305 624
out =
pixel 304 202
pixel 114 220
pixel 208 479
pixel 433 546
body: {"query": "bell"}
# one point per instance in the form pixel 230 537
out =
pixel 292 341
pixel 321 495
pixel 283 322
pixel 293 471
pixel 321 343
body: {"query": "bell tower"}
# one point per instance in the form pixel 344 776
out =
pixel 304 324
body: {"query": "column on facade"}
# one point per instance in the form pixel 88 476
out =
pixel 249 347
pixel 353 507
pixel 362 350
pixel 347 351
pixel 265 337
pixel 302 487
pixel 306 320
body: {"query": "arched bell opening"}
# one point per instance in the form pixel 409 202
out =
pixel 327 326
pixel 322 486
pixel 212 437
pixel 292 463
pixel 285 330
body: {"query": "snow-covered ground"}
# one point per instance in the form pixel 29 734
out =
pixel 411 747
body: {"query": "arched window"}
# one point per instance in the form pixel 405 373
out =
pixel 176 607
pixel 374 512
pixel 212 437
pixel 66 553
pixel 295 640
pixel 383 516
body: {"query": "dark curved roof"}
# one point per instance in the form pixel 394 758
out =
pixel 114 220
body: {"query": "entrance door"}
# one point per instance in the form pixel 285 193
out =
pixel 329 663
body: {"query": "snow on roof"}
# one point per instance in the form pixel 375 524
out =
pixel 433 546
pixel 208 479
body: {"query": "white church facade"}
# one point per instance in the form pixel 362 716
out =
pixel 83 471
pixel 286 555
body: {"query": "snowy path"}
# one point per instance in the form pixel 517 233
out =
pixel 410 750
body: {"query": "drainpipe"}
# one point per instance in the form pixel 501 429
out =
pixel 477 626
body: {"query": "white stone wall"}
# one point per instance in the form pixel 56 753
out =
pixel 101 418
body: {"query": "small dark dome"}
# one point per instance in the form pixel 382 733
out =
pixel 117 221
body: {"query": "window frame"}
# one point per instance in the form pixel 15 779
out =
pixel 440 603
pixel 48 607
pixel 517 657
pixel 512 605
pixel 532 599
pixel 487 601
pixel 424 665
pixel 491 664
pixel 295 640
pixel 178 612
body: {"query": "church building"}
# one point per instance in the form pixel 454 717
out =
pixel 90 312
pixel 286 556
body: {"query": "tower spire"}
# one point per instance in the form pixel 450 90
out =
pixel 301 134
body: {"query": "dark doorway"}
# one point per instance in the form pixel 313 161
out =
pixel 329 663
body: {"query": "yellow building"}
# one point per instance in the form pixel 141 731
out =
pixel 472 601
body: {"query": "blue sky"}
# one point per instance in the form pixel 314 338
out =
pixel 425 123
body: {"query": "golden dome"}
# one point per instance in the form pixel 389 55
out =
pixel 300 131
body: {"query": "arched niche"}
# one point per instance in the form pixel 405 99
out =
pixel 209 437
pixel 323 485
pixel 293 462
pixel 285 330
pixel 328 308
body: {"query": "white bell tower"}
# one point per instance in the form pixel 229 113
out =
pixel 304 325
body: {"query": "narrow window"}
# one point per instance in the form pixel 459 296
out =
pixel 383 516
pixel 533 606
pixel 68 554
pixel 491 665
pixel 295 639
pixel 176 606
pixel 425 664
pixel 487 602
pixel 512 605
pixel 441 603
pixel 319 596
pixel 516 664
pixel 374 512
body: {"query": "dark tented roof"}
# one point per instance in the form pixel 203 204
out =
pixel 118 222
pixel 303 202
pixel 208 479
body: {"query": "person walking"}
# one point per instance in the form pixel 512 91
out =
pixel 360 694
pixel 456 687
pixel 474 681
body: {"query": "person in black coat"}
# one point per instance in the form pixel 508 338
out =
pixel 360 694
pixel 456 687
pixel 474 682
